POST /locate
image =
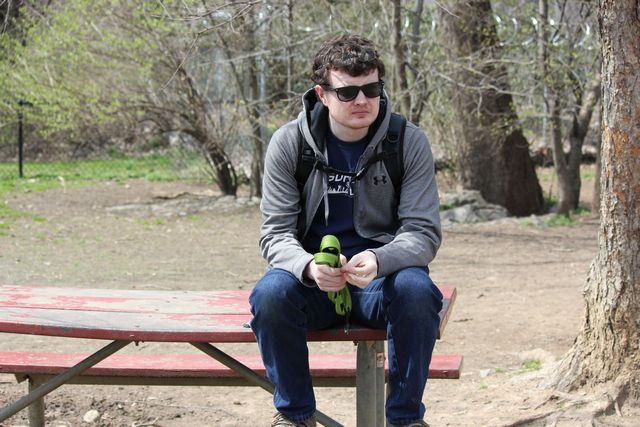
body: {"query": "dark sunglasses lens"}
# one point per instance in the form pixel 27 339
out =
pixel 347 93
pixel 372 90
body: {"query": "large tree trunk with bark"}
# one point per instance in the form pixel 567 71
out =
pixel 607 350
pixel 493 154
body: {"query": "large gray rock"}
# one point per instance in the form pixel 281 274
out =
pixel 468 206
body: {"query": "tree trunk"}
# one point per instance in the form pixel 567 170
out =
pixel 202 131
pixel 606 350
pixel 250 104
pixel 543 64
pixel 565 183
pixel 225 172
pixel 420 91
pixel 567 166
pixel 400 61
pixel 257 97
pixel 493 154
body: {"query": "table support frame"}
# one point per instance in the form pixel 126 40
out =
pixel 42 390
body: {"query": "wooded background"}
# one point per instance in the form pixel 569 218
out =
pixel 497 86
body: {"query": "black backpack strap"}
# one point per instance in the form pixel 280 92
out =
pixel 392 147
pixel 306 161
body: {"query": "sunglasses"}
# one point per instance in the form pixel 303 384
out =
pixel 349 93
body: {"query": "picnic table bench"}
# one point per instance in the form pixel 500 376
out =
pixel 198 318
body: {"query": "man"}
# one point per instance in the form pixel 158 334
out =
pixel 387 239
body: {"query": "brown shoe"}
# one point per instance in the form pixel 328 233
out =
pixel 280 420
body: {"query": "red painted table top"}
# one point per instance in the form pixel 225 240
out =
pixel 147 315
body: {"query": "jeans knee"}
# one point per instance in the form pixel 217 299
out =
pixel 416 291
pixel 272 294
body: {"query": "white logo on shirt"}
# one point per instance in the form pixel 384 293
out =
pixel 340 184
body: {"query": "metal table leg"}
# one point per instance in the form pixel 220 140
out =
pixel 370 394
pixel 58 380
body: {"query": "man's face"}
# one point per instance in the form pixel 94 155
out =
pixel 350 120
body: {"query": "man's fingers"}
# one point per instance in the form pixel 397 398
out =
pixel 331 287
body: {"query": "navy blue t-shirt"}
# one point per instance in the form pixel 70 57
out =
pixel 342 156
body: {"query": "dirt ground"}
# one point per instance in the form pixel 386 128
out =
pixel 518 310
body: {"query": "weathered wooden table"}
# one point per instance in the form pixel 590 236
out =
pixel 198 318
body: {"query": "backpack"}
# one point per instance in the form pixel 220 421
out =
pixel 391 155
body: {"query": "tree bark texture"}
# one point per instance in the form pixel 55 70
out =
pixel 493 154
pixel 257 151
pixel 400 60
pixel 608 346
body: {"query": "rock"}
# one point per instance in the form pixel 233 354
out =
pixel 468 206
pixel 484 373
pixel 91 416
pixel 472 213
pixel 460 198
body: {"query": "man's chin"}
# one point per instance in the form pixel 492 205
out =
pixel 361 123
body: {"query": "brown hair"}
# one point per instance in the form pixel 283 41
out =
pixel 352 54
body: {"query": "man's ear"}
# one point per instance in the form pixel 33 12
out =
pixel 322 95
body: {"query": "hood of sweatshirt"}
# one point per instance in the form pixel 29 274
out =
pixel 313 122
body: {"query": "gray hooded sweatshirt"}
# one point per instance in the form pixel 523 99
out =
pixel 408 227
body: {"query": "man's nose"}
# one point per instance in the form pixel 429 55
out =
pixel 360 98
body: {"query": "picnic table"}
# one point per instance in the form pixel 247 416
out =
pixel 200 318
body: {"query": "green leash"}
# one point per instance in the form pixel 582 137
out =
pixel 330 255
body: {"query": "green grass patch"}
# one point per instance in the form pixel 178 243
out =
pixel 26 185
pixel 559 220
pixel 153 168
pixel 567 220
pixel 8 217
pixel 148 223
pixel 586 174
pixel 8 213
pixel 530 365
pixel 170 167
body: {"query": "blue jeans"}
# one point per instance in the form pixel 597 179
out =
pixel 406 303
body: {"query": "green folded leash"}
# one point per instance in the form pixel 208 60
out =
pixel 330 255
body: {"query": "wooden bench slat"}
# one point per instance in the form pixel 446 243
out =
pixel 107 314
pixel 135 301
pixel 194 365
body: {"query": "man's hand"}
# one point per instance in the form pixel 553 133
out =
pixel 329 279
pixel 361 269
